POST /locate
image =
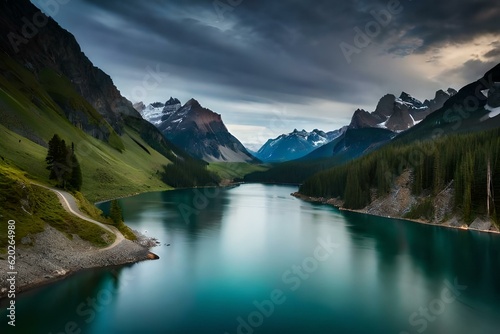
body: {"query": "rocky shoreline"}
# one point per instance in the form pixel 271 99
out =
pixel 50 256
pixel 479 224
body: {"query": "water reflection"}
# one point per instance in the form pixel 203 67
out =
pixel 81 299
pixel 234 251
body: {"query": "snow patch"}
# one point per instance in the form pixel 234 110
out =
pixel 494 112
pixel 229 155
pixel 383 125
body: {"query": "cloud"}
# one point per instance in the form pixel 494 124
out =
pixel 270 53
pixel 494 53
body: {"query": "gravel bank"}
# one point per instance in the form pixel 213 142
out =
pixel 50 255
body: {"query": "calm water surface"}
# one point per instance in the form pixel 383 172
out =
pixel 257 260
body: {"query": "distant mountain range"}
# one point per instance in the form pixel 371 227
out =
pixel 391 116
pixel 197 130
pixel 295 145
pixel 444 170
pixel 474 108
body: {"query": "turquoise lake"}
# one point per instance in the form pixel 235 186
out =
pixel 253 259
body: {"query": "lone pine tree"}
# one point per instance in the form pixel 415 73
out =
pixel 63 164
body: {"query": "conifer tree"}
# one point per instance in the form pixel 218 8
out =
pixel 57 161
pixel 63 164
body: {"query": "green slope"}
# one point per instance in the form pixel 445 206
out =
pixel 121 165
pixel 32 207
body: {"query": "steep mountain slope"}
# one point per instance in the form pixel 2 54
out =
pixel 53 55
pixel 471 109
pixel 352 143
pixel 295 145
pixel 399 114
pixel 201 133
pixel 48 86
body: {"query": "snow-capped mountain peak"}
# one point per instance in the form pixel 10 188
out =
pixel 157 111
pixel 295 144
pixel 399 113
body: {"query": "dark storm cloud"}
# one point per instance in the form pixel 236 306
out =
pixel 261 49
pixel 274 50
pixel 437 23
pixel 494 53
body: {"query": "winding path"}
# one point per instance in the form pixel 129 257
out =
pixel 68 202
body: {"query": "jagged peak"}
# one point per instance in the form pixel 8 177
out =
pixel 361 111
pixel 172 101
pixel 404 95
pixel 157 105
pixel 441 92
pixel 193 103
pixel 408 97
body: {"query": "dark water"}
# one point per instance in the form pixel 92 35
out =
pixel 253 259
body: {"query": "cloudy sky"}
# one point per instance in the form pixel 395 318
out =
pixel 271 66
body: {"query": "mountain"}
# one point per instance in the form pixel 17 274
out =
pixel 55 57
pixel 399 114
pixel 295 145
pixel 200 132
pixel 472 108
pixel 154 112
pixel 444 170
pixel 48 86
pixel 352 144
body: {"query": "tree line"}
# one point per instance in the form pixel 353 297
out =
pixel 187 173
pixel 468 162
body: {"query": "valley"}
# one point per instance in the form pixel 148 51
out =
pixel 313 230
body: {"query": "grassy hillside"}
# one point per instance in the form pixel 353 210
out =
pixel 32 207
pixel 121 165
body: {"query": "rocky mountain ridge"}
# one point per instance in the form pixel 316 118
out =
pixel 197 130
pixel 399 113
pixel 295 145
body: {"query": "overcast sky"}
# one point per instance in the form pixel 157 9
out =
pixel 271 66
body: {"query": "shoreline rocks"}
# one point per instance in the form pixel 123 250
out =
pixel 480 224
pixel 54 256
